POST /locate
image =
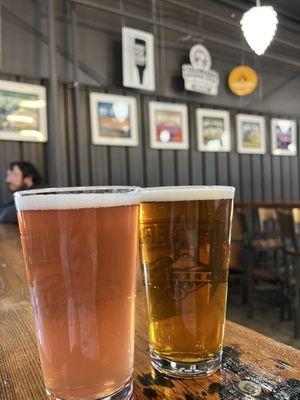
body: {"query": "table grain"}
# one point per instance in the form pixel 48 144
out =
pixel 248 355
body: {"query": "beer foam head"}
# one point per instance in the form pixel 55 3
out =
pixel 187 193
pixel 76 198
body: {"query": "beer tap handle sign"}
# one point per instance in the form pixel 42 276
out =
pixel 138 59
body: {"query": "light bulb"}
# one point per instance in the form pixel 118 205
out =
pixel 259 25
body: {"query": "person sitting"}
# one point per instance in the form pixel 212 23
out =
pixel 21 175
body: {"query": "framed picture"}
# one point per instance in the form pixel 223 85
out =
pixel 284 137
pixel 138 59
pixel 213 130
pixel 113 120
pixel 168 125
pixel 251 134
pixel 23 112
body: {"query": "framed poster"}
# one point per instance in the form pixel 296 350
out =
pixel 284 137
pixel 251 134
pixel 168 125
pixel 113 120
pixel 138 59
pixel 23 113
pixel 213 130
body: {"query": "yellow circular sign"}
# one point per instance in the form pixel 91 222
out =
pixel 242 80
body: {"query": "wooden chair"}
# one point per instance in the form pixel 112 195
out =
pixel 243 262
pixel 291 251
pixel 267 244
pixel 261 276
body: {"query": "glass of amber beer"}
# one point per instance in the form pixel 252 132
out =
pixel 80 250
pixel 184 246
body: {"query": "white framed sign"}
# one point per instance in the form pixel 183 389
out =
pixel 251 134
pixel 23 112
pixel 213 130
pixel 113 119
pixel 168 125
pixel 138 59
pixel 284 137
pixel 198 77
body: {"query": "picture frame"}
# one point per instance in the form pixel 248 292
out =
pixel 138 59
pixel 113 119
pixel 284 137
pixel 23 112
pixel 168 125
pixel 251 134
pixel 213 130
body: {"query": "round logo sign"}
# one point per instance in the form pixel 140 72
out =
pixel 242 80
pixel 200 57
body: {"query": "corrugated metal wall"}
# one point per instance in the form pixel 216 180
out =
pixel 25 54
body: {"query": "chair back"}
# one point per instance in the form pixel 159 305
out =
pixel 296 215
pixel 239 232
pixel 267 219
pixel 238 235
pixel 287 228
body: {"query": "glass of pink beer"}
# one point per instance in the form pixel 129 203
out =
pixel 80 251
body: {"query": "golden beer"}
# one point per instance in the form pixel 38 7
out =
pixel 184 246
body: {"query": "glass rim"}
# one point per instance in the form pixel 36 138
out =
pixel 79 190
pixel 186 193
pixel 197 187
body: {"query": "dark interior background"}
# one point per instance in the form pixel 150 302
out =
pixel 58 42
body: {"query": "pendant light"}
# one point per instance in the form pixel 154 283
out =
pixel 259 25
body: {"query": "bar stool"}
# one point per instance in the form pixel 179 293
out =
pixel 292 251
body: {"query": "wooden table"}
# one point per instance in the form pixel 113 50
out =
pixel 247 354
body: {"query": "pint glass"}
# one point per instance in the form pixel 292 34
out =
pixel 184 246
pixel 80 250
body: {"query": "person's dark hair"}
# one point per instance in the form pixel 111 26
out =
pixel 27 170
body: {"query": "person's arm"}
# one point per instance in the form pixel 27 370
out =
pixel 8 214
